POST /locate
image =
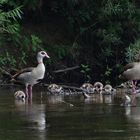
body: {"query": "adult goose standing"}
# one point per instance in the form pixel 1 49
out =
pixel 132 73
pixel 32 75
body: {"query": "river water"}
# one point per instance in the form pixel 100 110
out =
pixel 69 117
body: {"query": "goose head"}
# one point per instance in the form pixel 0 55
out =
pixel 41 55
pixel 20 95
pixel 87 87
pixel 54 88
pixel 108 89
pixel 98 87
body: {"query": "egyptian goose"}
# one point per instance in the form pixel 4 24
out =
pixel 19 95
pixel 32 75
pixel 88 88
pixel 127 101
pixel 132 73
pixel 98 87
pixel 108 89
pixel 54 88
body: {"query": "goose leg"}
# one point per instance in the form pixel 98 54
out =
pixel 30 92
pixel 26 91
pixel 134 82
pixel 134 86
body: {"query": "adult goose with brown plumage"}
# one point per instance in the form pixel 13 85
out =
pixel 31 76
pixel 132 73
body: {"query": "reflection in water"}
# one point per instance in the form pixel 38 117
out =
pixel 96 98
pixel 34 114
pixel 128 110
pixel 108 99
pixel 99 98
pixel 133 113
pixel 83 121
pixel 55 99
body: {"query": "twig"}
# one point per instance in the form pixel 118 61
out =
pixel 67 87
pixel 67 69
pixel 66 102
pixel 71 87
pixel 5 72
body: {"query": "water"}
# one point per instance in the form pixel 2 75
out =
pixel 54 118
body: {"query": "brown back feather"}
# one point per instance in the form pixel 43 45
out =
pixel 22 71
pixel 129 66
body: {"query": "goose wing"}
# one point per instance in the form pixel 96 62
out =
pixel 129 66
pixel 25 70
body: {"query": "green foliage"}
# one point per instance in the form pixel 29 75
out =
pixel 102 44
pixel 29 5
pixel 133 51
pixel 121 8
pixel 35 42
pixel 60 51
pixel 105 33
pixel 85 69
pixel 8 20
pixel 107 75
pixel 7 60
pixel 29 45
pixel 11 33
pixel 9 26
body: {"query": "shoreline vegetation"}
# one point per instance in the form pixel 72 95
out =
pixel 87 41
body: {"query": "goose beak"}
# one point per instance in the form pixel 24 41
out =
pixel 47 55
